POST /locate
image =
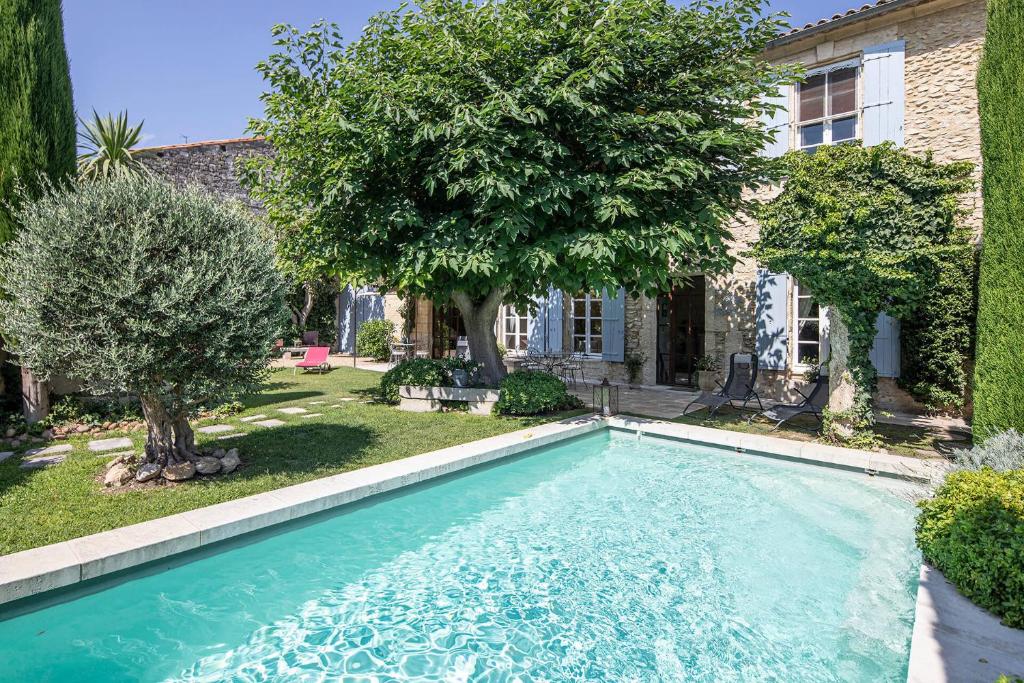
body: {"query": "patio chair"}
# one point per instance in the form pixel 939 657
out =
pixel 399 353
pixel 812 403
pixel 570 366
pixel 315 359
pixel 462 348
pixel 739 386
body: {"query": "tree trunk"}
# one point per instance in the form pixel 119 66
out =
pixel 479 317
pixel 170 439
pixel 35 397
pixel 851 379
pixel 300 315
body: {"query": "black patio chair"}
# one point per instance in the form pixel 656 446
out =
pixel 739 386
pixel 812 404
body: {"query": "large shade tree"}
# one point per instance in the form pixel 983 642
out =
pixel 480 152
pixel 865 230
pixel 130 285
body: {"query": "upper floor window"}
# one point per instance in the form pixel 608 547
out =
pixel 827 111
pixel 586 323
pixel 514 328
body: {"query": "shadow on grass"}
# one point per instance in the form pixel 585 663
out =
pixel 268 398
pixel 12 475
pixel 298 448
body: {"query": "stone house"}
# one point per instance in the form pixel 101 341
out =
pixel 899 70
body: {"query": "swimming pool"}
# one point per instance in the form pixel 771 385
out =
pixel 606 557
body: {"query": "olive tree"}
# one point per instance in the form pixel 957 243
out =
pixel 127 284
pixel 865 230
pixel 480 152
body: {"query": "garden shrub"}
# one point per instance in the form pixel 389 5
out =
pixel 421 372
pixel 1002 452
pixel 973 531
pixel 375 338
pixel 998 382
pixel 530 392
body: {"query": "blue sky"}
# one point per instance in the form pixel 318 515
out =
pixel 186 66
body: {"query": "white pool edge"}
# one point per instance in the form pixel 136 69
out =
pixel 39 570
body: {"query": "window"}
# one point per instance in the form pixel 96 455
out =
pixel 807 318
pixel 827 111
pixel 514 328
pixel 586 323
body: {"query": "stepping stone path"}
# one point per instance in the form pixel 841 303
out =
pixel 115 456
pixel 38 463
pixel 231 436
pixel 292 411
pixel 336 405
pixel 5 455
pixel 312 415
pixel 269 423
pixel 317 403
pixel 253 418
pixel 346 399
pixel 50 450
pixel 109 444
pixel 216 429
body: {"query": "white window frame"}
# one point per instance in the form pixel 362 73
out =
pixel 588 336
pixel 522 329
pixel 795 361
pixel 827 119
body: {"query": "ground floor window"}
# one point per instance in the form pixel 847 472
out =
pixel 586 323
pixel 514 329
pixel 808 326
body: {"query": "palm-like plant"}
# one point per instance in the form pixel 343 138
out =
pixel 107 143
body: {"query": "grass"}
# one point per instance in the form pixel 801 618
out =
pixel 65 501
pixel 914 442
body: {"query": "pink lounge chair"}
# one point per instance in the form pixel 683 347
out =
pixel 315 359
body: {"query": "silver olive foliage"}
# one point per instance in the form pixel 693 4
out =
pixel 128 284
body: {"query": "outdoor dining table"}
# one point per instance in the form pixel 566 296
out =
pixel 408 349
pixel 547 361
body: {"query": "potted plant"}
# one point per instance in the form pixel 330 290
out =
pixel 635 367
pixel 707 366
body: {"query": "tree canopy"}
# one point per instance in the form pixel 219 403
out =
pixel 482 151
pixel 864 229
pixel 130 285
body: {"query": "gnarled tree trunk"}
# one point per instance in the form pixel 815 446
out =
pixel 170 439
pixel 479 316
pixel 851 379
pixel 35 397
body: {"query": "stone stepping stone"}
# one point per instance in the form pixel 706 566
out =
pixel 115 455
pixel 50 450
pixel 45 461
pixel 336 405
pixel 252 418
pixel 269 423
pixel 216 429
pixel 232 436
pixel 346 399
pixel 313 415
pixel 292 411
pixel 317 403
pixel 5 455
pixel 110 444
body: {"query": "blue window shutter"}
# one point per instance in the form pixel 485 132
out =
pixel 613 326
pixel 554 321
pixel 885 352
pixel 346 333
pixel 535 329
pixel 772 311
pixel 883 93
pixel 778 123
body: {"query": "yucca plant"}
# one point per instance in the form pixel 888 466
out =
pixel 107 142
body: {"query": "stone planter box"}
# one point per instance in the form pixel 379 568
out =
pixel 425 399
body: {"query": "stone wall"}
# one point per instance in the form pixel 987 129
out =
pixel 213 165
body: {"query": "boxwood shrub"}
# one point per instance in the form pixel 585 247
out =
pixel 374 339
pixel 530 392
pixel 973 531
pixel 421 372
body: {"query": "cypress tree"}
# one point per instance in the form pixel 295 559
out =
pixel 998 378
pixel 37 117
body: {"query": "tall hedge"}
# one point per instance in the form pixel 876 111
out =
pixel 999 371
pixel 37 116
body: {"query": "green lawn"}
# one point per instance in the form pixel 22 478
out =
pixel 65 501
pixel 915 442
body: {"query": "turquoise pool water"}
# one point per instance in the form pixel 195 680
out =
pixel 605 558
